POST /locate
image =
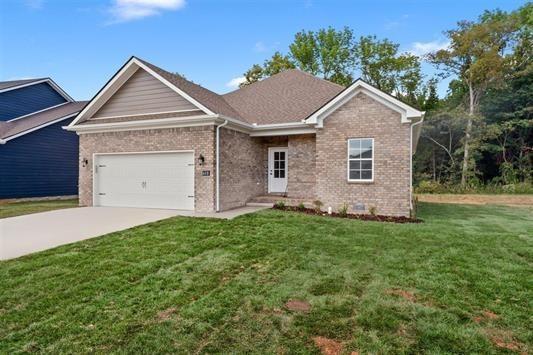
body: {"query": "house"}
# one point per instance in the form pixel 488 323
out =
pixel 150 138
pixel 37 157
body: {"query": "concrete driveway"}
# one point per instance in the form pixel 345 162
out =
pixel 40 231
pixel 30 233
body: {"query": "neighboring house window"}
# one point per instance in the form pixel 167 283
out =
pixel 361 159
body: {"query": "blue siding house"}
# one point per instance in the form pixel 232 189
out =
pixel 37 157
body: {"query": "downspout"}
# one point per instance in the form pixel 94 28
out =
pixel 218 164
pixel 411 164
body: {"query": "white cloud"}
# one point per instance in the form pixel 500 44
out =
pixel 34 4
pixel 234 83
pixel 129 10
pixel 260 47
pixel 423 48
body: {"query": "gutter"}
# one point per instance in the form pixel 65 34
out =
pixel 218 164
pixel 411 153
pixel 2 141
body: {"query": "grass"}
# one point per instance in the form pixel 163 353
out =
pixel 458 283
pixel 12 209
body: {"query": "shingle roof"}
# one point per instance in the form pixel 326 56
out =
pixel 8 129
pixel 12 83
pixel 289 96
pixel 208 98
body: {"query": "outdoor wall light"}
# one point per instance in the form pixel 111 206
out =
pixel 84 162
pixel 201 160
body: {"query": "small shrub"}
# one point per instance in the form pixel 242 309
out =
pixel 372 210
pixel 318 205
pixel 343 210
pixel 280 205
pixel 301 206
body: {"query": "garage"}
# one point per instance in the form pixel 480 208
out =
pixel 148 180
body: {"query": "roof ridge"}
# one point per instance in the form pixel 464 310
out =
pixel 317 77
pixel 210 99
pixel 179 76
pixel 280 73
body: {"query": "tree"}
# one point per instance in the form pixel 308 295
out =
pixel 255 73
pixel 327 53
pixel 382 66
pixel 277 64
pixel 477 56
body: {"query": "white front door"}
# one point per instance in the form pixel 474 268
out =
pixel 150 180
pixel 277 169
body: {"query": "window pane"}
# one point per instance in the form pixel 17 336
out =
pixel 366 153
pixel 276 173
pixel 282 164
pixel 276 165
pixel 366 144
pixel 355 143
pixel 355 165
pixel 366 174
pixel 355 175
pixel 366 164
pixel 282 174
pixel 355 154
pixel 282 155
pixel 276 155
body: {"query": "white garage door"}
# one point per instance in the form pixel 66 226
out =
pixel 151 180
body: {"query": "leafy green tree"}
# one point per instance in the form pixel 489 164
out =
pixel 327 53
pixel 477 56
pixel 277 64
pixel 382 66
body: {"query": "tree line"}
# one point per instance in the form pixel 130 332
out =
pixel 481 132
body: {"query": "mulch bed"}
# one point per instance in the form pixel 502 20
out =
pixel 362 217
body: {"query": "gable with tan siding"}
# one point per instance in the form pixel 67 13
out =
pixel 143 94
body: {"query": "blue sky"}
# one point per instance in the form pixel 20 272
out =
pixel 80 44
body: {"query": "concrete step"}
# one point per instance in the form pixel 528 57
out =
pixel 259 204
pixel 272 199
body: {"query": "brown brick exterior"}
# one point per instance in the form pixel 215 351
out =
pixel 241 174
pixel 199 139
pixel 362 117
pixel 317 164
pixel 302 172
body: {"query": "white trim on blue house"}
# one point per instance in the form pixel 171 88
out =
pixel 5 140
pixel 45 80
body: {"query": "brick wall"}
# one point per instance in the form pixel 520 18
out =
pixel 241 172
pixel 199 139
pixel 302 172
pixel 362 117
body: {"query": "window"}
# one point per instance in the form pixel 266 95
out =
pixel 361 159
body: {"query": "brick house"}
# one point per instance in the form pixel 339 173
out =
pixel 150 138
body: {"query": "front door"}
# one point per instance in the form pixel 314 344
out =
pixel 277 169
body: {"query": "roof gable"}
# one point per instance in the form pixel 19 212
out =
pixel 120 78
pixel 20 101
pixel 142 93
pixel 407 112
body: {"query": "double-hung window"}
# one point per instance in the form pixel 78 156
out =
pixel 361 159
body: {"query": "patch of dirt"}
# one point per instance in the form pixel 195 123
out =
pixel 504 340
pixel 166 314
pixel 485 316
pixel 362 217
pixel 403 294
pixel 298 306
pixel 474 199
pixel 328 346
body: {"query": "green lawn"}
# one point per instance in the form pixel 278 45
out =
pixel 459 283
pixel 12 209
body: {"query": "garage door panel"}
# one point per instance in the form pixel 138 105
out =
pixel 153 180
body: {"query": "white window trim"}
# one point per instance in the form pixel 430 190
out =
pixel 348 161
